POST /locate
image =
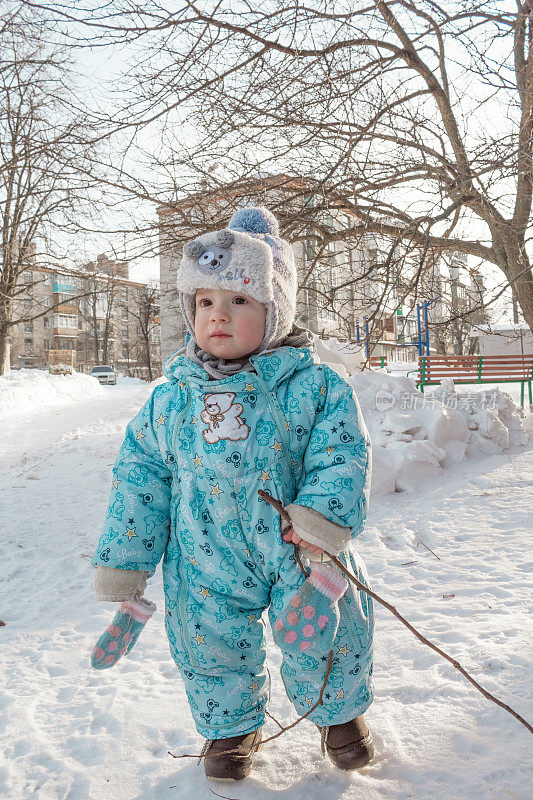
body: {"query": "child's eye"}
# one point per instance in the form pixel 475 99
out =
pixel 203 301
pixel 239 300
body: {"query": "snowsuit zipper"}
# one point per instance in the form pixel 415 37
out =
pixel 282 427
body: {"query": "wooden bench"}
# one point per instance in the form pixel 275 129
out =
pixel 477 369
pixel 378 362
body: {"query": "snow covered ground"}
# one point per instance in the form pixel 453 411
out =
pixel 70 733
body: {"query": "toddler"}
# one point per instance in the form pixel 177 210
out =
pixel 247 406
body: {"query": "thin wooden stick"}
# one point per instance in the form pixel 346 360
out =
pixel 224 796
pixel 407 624
pixel 319 702
pixel 273 718
pixel 428 548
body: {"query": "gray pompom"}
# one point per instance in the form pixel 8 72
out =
pixel 225 238
pixel 193 249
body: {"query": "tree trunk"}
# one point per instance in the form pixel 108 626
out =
pixel 149 362
pixel 523 291
pixel 5 315
pixel 4 352
pixel 519 273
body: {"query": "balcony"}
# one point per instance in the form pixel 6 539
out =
pixel 64 308
pixel 64 288
pixel 71 333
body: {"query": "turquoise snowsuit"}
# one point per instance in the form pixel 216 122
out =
pixel 185 487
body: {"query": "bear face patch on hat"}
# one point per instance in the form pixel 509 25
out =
pixel 250 257
pixel 227 260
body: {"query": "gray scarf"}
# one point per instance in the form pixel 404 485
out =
pixel 220 368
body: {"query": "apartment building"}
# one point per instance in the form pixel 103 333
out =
pixel 92 315
pixel 458 310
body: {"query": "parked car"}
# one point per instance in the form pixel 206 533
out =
pixel 104 374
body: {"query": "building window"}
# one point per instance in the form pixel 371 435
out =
pixel 65 284
pixel 46 323
pixel 47 344
pixel 28 347
pixel 124 351
pixel 124 333
pixel 65 321
pixel 66 344
pixel 28 327
pixel 372 255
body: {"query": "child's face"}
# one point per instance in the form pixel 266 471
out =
pixel 238 316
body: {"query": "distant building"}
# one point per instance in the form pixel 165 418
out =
pixel 507 339
pixel 460 308
pixel 95 315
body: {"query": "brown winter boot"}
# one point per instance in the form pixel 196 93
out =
pixel 231 759
pixel 350 745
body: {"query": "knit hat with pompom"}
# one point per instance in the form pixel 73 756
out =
pixel 248 256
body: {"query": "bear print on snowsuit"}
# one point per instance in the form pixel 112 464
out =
pixel 223 418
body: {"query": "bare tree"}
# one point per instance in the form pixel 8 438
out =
pixel 146 313
pixel 44 160
pixel 412 117
pixel 98 308
pixel 148 319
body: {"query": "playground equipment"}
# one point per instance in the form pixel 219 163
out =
pixel 422 330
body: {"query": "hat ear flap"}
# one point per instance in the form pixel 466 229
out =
pixel 193 249
pixel 225 238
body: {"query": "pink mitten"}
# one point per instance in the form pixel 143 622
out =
pixel 119 637
pixel 311 617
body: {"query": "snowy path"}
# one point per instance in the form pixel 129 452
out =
pixel 69 733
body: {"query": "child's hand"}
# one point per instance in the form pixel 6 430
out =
pixel 290 536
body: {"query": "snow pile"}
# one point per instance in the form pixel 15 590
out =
pixel 29 390
pixel 415 435
pixel 331 351
pixel 492 415
pixel 127 379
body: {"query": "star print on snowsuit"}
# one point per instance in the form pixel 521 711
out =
pixel 189 488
